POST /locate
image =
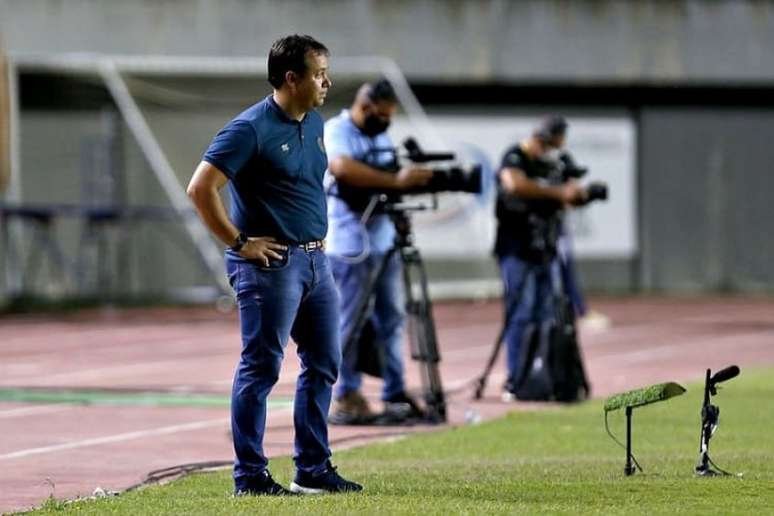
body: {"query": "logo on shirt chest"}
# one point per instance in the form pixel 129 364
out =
pixel 285 148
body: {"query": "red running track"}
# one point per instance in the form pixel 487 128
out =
pixel 69 450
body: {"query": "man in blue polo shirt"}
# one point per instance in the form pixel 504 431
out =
pixel 273 159
pixel 360 154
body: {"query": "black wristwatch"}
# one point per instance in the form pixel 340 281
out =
pixel 239 242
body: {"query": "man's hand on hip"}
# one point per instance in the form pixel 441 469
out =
pixel 262 249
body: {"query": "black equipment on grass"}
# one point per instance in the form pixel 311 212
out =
pixel 551 367
pixel 710 418
pixel 550 363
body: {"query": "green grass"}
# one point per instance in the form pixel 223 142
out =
pixel 548 461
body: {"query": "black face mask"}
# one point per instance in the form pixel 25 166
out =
pixel 373 125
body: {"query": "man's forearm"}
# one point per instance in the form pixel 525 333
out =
pixel 517 183
pixel 358 174
pixel 529 189
pixel 211 210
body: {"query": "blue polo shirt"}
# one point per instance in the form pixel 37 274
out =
pixel 275 165
pixel 347 235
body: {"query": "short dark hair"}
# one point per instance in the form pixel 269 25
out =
pixel 382 91
pixel 551 127
pixel 288 54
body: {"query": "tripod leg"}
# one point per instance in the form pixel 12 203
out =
pixel 422 335
pixel 481 380
pixel 366 294
pixel 510 312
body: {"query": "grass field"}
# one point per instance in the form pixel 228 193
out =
pixel 558 460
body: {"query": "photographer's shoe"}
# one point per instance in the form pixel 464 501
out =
pixel 401 410
pixel 351 409
pixel 509 391
pixel 262 484
pixel 403 398
pixel 329 481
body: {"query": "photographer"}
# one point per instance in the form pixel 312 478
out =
pixel 361 162
pixel 533 191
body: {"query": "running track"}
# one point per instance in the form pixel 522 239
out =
pixel 69 449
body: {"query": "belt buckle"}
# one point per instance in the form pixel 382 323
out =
pixel 311 246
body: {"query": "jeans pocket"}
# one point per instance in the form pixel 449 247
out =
pixel 232 273
pixel 274 263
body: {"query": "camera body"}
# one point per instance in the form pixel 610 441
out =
pixel 452 177
pixel 449 178
pixel 569 169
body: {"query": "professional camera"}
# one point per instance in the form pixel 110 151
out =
pixel 569 169
pixel 596 191
pixel 452 178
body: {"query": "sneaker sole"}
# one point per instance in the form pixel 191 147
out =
pixel 295 488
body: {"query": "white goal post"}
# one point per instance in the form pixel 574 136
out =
pixel 117 73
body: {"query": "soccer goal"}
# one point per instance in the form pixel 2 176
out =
pixel 101 149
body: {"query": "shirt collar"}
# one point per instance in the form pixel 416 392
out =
pixel 281 112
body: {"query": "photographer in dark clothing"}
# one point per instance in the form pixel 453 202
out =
pixel 532 192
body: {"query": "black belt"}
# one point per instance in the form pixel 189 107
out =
pixel 311 246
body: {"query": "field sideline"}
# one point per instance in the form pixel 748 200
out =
pixel 549 461
pixel 100 399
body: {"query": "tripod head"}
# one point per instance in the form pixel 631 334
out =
pixel 399 212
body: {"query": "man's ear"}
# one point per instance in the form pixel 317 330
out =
pixel 291 78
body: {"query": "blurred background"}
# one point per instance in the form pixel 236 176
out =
pixel 106 108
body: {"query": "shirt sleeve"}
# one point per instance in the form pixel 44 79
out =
pixel 232 147
pixel 337 142
pixel 512 159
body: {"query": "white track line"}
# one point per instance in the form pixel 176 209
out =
pixel 140 434
pixel 664 353
pixel 99 372
pixel 164 430
pixel 27 411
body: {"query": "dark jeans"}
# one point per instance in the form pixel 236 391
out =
pixel 529 298
pixel 297 298
pixel 386 314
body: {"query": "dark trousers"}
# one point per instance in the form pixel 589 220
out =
pixel 386 314
pixel 529 298
pixel 297 299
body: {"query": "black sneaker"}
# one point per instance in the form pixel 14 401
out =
pixel 328 481
pixel 262 484
pixel 409 403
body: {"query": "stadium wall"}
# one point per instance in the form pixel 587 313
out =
pixel 438 40
pixel 689 74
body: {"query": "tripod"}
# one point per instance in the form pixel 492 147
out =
pixel 564 318
pixel 423 342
